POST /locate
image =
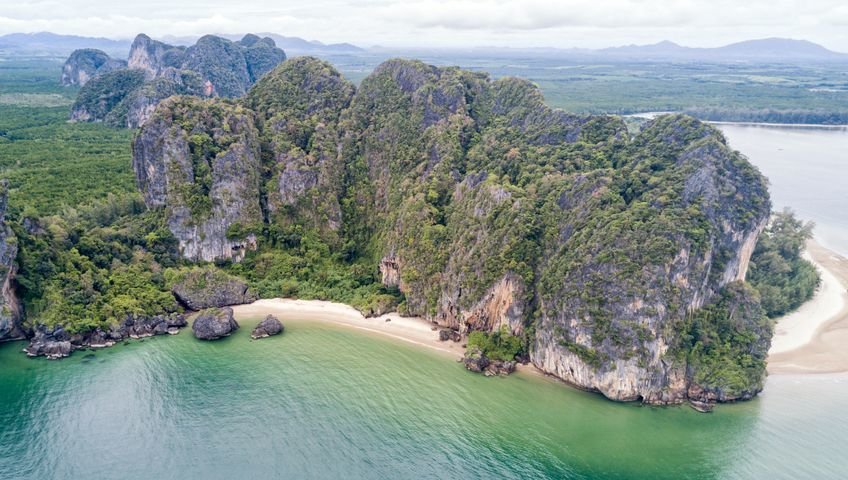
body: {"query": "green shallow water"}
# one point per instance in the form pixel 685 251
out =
pixel 324 401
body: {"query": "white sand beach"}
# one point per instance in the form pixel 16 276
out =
pixel 814 339
pixel 409 329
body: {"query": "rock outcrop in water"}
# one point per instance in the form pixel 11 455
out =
pixel 86 64
pixel 57 342
pixel 213 67
pixel 268 327
pixel 620 261
pixel 214 323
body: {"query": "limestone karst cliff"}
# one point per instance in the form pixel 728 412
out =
pixel 621 261
pixel 200 160
pixel 213 67
pixel 10 309
pixel 87 63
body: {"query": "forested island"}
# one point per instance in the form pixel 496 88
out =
pixel 615 262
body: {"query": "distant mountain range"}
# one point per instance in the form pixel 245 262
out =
pixel 46 43
pixel 292 45
pixel 762 50
pixel 770 49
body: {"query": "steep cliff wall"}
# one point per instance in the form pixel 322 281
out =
pixel 10 308
pixel 200 160
pixel 619 285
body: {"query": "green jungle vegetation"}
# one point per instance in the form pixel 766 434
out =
pixel 104 256
pixel 497 345
pixel 783 278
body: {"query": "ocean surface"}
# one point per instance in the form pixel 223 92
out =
pixel 807 167
pixel 324 401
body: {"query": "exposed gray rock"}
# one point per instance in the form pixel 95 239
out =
pixel 446 334
pixel 269 326
pixel 214 323
pixel 55 342
pixel 474 360
pixel 10 306
pixel 214 66
pixel 154 57
pixel 630 360
pixel 205 287
pixel 51 343
pixel 477 362
pixel 212 199
pixel 88 63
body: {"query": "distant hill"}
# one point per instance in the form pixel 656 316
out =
pixel 761 50
pixel 768 49
pixel 52 44
pixel 46 43
pixel 299 45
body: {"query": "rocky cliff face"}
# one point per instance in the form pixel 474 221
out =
pixel 615 296
pixel 10 307
pixel 620 261
pixel 85 64
pixel 153 57
pixel 199 159
pixel 212 67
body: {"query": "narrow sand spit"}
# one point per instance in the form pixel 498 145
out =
pixel 814 339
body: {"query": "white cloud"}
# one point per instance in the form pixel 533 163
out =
pixel 564 23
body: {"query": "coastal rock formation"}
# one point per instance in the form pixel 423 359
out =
pixel 618 261
pixel 269 326
pixel 213 67
pixel 200 288
pixel 86 64
pixel 10 307
pixel 56 342
pixel 632 332
pixel 199 159
pixel 214 323
pixel 476 361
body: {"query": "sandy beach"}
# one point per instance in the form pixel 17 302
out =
pixel 809 340
pixel 408 329
pixel 813 339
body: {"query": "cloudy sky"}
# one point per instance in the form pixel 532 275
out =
pixel 557 23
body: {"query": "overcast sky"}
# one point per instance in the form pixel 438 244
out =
pixel 429 23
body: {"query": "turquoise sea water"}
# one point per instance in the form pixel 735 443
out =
pixel 325 401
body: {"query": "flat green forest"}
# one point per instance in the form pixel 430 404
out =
pixel 50 163
pixel 741 92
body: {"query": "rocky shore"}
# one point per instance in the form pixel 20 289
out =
pixel 56 342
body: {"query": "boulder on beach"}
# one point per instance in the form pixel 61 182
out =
pixel 214 323
pixel 271 325
pixel 446 334
pixel 205 287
